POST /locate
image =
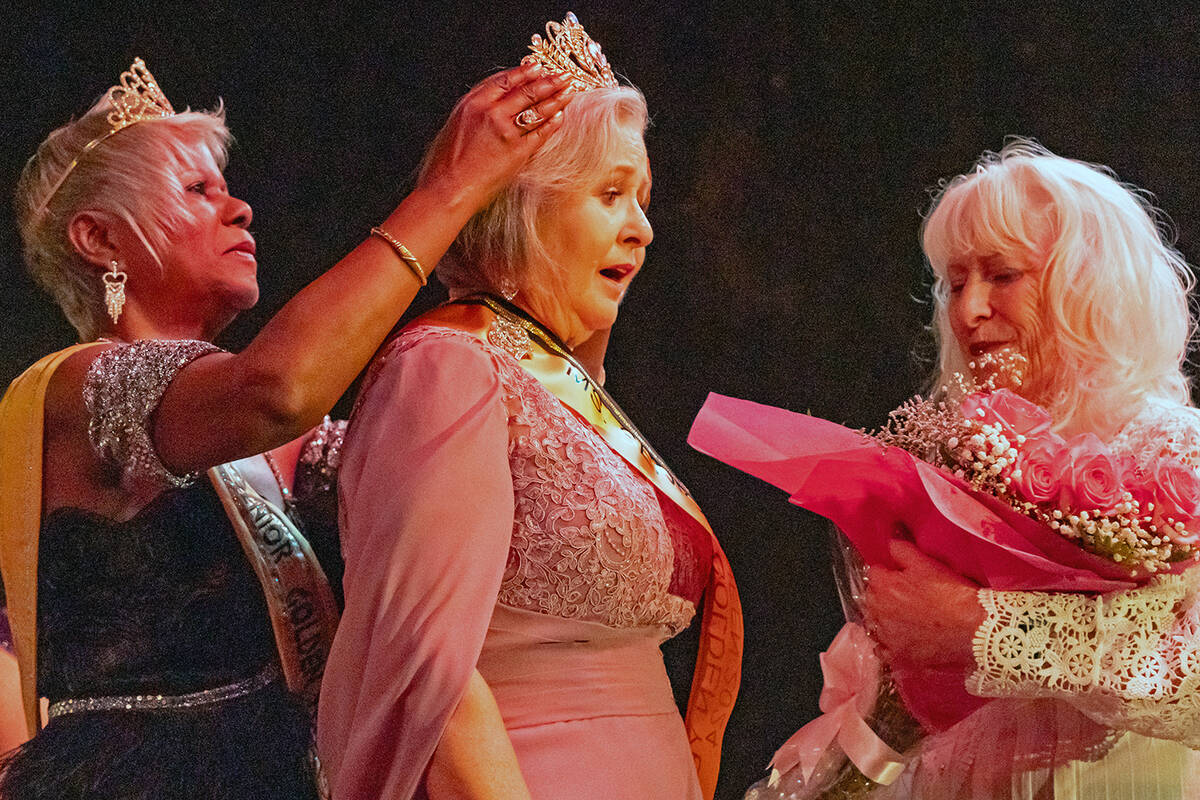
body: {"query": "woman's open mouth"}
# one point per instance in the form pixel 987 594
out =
pixel 618 273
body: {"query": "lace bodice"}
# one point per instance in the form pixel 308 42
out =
pixel 1130 660
pixel 1161 429
pixel 590 539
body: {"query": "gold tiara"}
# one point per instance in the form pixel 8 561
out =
pixel 567 48
pixel 135 98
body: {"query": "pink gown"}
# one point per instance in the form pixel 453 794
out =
pixel 486 526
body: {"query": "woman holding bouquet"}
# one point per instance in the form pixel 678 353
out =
pixel 1056 262
pixel 1055 291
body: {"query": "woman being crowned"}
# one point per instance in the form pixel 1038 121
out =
pixel 162 596
pixel 515 550
pixel 1029 532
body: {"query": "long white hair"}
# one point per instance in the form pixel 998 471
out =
pixel 1113 293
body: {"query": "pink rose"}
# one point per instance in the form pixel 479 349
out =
pixel 1139 482
pixel 1016 414
pixel 1036 478
pixel 1091 475
pixel 1176 492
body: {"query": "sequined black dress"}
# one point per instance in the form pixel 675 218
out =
pixel 165 603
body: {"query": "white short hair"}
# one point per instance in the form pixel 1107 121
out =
pixel 133 174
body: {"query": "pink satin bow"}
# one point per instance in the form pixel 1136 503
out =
pixel 851 671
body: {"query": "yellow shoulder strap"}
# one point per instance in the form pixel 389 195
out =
pixel 21 422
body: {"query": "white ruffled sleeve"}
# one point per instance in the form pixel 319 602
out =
pixel 1129 660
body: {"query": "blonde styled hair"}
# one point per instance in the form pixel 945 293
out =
pixel 1113 293
pixel 135 175
pixel 501 245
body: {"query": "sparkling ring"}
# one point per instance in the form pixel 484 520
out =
pixel 528 119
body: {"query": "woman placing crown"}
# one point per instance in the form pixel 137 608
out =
pixel 177 622
pixel 516 552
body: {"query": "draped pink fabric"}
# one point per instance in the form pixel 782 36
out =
pixel 426 501
pixel 485 525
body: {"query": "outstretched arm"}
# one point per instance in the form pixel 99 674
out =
pixel 225 406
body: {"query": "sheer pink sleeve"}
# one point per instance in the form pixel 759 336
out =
pixel 427 514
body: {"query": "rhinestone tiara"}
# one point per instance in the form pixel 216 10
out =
pixel 567 48
pixel 136 97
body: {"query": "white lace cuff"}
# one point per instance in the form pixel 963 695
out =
pixel 1130 660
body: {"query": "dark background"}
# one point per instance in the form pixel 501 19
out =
pixel 793 149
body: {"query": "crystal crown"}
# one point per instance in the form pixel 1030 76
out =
pixel 567 48
pixel 135 98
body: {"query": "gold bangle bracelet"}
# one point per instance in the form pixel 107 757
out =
pixel 405 254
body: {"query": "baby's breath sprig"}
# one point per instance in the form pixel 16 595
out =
pixel 986 456
pixel 995 368
pixel 928 429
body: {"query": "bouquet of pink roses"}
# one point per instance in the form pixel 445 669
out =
pixel 1144 518
pixel 982 485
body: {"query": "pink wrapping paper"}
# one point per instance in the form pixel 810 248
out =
pixel 876 494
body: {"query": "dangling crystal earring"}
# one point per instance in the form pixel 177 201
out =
pixel 114 290
pixel 508 289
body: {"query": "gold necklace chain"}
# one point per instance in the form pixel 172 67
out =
pixel 551 343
